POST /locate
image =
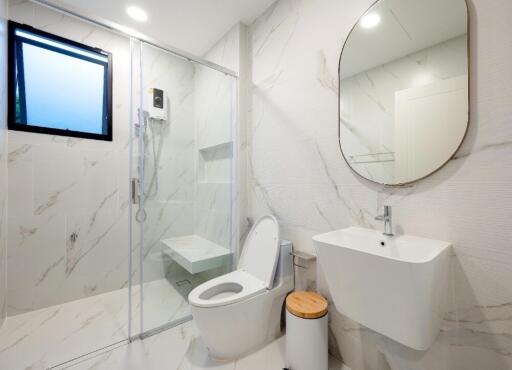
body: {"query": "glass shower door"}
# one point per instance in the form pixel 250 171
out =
pixel 186 119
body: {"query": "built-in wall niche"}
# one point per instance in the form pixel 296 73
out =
pixel 214 163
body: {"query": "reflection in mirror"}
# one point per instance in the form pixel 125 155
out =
pixel 404 89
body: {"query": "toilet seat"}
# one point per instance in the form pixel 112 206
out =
pixel 241 311
pixel 227 289
pixel 260 253
pixel 256 269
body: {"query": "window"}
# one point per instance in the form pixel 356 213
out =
pixel 58 86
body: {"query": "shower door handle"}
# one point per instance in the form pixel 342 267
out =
pixel 135 190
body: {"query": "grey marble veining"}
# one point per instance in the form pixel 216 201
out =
pixel 50 336
pixel 297 173
pixel 59 187
pixel 68 225
pixel 188 159
pixel 188 353
pixel 215 114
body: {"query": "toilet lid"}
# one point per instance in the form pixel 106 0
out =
pixel 261 250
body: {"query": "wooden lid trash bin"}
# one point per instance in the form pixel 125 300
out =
pixel 307 305
pixel 306 331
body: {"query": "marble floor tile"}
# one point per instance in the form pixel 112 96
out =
pixel 162 304
pixel 51 337
pixel 181 348
pixel 47 337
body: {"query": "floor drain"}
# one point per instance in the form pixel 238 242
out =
pixel 183 282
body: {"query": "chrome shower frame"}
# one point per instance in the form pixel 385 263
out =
pixel 135 37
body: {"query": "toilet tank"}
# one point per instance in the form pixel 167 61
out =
pixel 284 270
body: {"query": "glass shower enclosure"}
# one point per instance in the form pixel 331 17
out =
pixel 183 182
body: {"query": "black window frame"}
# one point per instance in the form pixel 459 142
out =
pixel 13 49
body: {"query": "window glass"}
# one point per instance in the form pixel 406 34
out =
pixel 59 87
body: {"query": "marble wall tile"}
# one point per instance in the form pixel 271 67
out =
pixel 215 114
pixel 226 51
pixel 296 172
pixel 241 199
pixel 191 155
pixel 169 172
pixel 3 160
pixel 60 186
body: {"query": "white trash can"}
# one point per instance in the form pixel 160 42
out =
pixel 306 331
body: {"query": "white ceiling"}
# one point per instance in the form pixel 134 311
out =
pixel 190 25
pixel 406 26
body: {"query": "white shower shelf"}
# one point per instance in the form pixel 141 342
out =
pixel 214 183
pixel 216 146
pixel 196 254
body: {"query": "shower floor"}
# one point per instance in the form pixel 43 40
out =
pixel 50 336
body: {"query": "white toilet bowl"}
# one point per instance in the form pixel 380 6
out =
pixel 239 312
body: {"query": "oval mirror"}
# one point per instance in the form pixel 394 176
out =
pixel 404 89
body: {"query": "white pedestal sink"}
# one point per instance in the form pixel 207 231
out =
pixel 396 286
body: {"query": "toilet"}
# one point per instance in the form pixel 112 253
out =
pixel 239 312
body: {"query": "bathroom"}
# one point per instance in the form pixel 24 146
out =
pixel 216 120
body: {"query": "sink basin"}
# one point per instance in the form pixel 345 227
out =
pixel 396 286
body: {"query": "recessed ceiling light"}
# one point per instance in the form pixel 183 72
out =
pixel 370 20
pixel 137 13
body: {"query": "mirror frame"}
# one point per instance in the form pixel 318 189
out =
pixel 468 32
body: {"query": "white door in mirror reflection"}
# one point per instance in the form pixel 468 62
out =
pixel 429 122
pixel 403 84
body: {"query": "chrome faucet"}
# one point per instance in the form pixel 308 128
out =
pixel 386 217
